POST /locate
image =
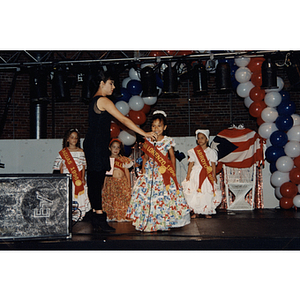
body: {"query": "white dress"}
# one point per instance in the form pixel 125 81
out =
pixel 81 204
pixel 206 201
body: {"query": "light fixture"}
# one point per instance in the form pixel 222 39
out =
pixel 268 74
pixel 199 79
pixel 292 68
pixel 38 84
pixel 148 80
pixel 170 81
pixel 223 77
pixel 88 85
pixel 61 85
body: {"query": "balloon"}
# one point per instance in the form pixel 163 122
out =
pixel 127 150
pixel 136 103
pixel 273 167
pixel 159 81
pixel 296 119
pixel 256 78
pixel 286 108
pixel 296 201
pixel 128 138
pixel 248 101
pixel 278 178
pixel 284 123
pixel 255 64
pixel 243 89
pixel 294 133
pixel 292 149
pixel 297 162
pixel 125 95
pixel 114 130
pixel 266 129
pixel 256 108
pixel 280 85
pixel 272 99
pixel 286 203
pixel 134 87
pixel 259 121
pixel 242 61
pixel 122 107
pixel 150 100
pixel 277 192
pixel 146 108
pixel 284 164
pixel 257 94
pixel 269 114
pixel 242 74
pixel 273 153
pixel 295 176
pixel 284 95
pixel 137 117
pixel 288 189
pixel 278 138
pixel 133 74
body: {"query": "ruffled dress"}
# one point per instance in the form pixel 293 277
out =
pixel 116 194
pixel 81 204
pixel 206 201
pixel 152 206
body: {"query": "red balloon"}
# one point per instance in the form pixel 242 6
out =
pixel 138 117
pixel 257 94
pixel 157 53
pixel 259 121
pixel 256 78
pixel 286 203
pixel 255 64
pixel 295 175
pixel 288 190
pixel 146 108
pixel 114 130
pixel 297 161
pixel 256 108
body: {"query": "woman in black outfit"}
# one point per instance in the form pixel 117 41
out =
pixel 96 145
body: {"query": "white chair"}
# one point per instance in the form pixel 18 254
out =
pixel 239 182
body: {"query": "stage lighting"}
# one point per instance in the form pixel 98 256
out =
pixel 170 81
pixel 38 84
pixel 293 71
pixel 223 77
pixel 199 78
pixel 268 74
pixel 148 80
pixel 61 85
pixel 89 87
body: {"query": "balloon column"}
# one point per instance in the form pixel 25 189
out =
pixel 278 124
pixel 133 105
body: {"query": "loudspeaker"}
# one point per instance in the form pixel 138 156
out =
pixel 35 206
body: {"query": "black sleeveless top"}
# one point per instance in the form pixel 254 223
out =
pixel 97 139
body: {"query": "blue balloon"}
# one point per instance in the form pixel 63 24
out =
pixel 273 153
pixel 278 138
pixel 284 95
pixel 159 81
pixel 273 167
pixel 134 87
pixel 127 150
pixel 286 107
pixel 125 95
pixel 284 123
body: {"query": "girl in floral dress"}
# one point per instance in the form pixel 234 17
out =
pixel 72 160
pixel 157 201
pixel 116 191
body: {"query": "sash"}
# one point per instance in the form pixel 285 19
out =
pixel 166 168
pixel 206 171
pixel 72 167
pixel 119 164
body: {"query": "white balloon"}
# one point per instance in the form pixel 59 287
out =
pixel 133 74
pixel 298 186
pixel 284 164
pixel 296 201
pixel 277 192
pixel 268 143
pixel 242 74
pixel 122 107
pixel 150 100
pixel 269 114
pixel 242 61
pixel 273 99
pixel 136 103
pixel 125 81
pixel 278 178
pixel 128 138
pixel 296 119
pixel 294 133
pixel 243 89
pixel 248 101
pixel 280 84
pixel 292 149
pixel 266 129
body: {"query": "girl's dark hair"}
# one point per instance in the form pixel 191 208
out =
pixel 160 117
pixel 122 150
pixel 67 135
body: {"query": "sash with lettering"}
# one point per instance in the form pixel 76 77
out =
pixel 206 171
pixel 119 164
pixel 72 167
pixel 166 168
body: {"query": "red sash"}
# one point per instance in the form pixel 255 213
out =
pixel 119 164
pixel 166 168
pixel 206 171
pixel 72 167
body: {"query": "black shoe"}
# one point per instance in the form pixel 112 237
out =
pixel 99 222
pixel 88 217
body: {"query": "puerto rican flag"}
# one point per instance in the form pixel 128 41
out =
pixel 238 147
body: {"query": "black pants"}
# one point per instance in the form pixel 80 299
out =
pixel 95 181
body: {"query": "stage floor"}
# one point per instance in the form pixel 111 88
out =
pixel 263 229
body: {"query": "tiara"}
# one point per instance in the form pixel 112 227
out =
pixel 160 112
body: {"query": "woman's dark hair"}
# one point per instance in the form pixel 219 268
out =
pixel 98 77
pixel 67 135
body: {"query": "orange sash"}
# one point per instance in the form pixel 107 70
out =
pixel 166 168
pixel 72 167
pixel 119 164
pixel 206 171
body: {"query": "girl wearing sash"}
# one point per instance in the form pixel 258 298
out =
pixel 72 160
pixel 199 187
pixel 116 191
pixel 157 201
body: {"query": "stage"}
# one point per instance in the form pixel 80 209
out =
pixel 261 229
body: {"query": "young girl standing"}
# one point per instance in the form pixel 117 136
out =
pixel 199 187
pixel 72 160
pixel 157 201
pixel 116 191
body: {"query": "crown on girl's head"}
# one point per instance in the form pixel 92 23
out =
pixel 160 112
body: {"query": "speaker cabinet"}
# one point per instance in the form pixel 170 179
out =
pixel 35 206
